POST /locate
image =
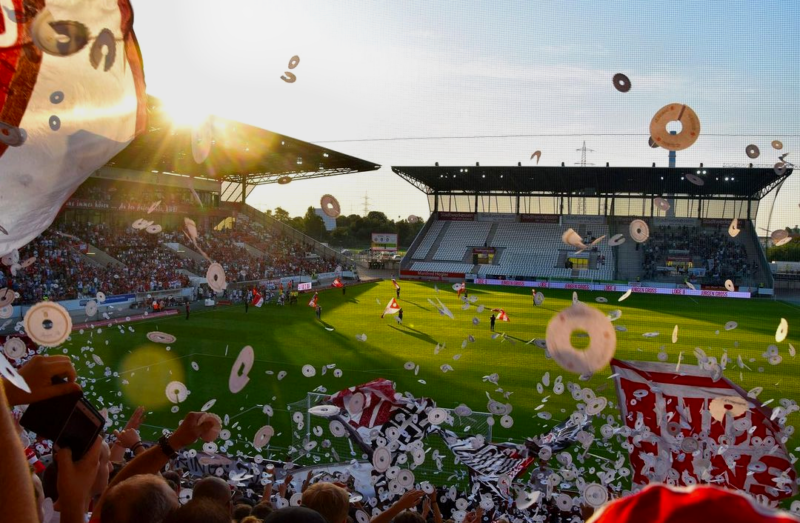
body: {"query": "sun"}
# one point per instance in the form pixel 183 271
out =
pixel 185 112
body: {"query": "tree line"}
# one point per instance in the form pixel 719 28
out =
pixel 788 252
pixel 352 230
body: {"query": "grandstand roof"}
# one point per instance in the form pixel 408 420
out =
pixel 720 182
pixel 238 151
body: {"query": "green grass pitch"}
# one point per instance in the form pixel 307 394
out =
pixel 286 338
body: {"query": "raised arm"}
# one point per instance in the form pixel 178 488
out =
pixel 16 487
pixel 408 500
pixel 153 460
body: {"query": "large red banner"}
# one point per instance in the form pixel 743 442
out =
pixel 686 428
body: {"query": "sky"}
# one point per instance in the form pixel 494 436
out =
pixel 413 83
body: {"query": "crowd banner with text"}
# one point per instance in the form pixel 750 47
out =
pixel 457 216
pixel 675 222
pixel 432 275
pixel 539 218
pixel 723 222
pixel 496 217
pixel 612 288
pixel 579 219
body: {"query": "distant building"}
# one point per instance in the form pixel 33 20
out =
pixel 330 223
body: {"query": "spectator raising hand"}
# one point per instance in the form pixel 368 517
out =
pixel 307 481
pixel 408 500
pixel 129 438
pixel 136 419
pixel 437 514
pixel 75 481
pixel 284 486
pixel 475 516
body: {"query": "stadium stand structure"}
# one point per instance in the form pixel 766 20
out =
pixel 92 247
pixel 507 223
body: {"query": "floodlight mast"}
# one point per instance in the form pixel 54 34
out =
pixel 583 150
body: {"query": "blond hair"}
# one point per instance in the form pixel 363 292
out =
pixel 330 501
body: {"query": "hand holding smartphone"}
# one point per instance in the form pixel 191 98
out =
pixel 69 421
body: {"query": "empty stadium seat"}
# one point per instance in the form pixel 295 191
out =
pixel 525 250
pixel 427 242
pixel 459 237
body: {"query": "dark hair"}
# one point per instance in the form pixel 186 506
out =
pixel 408 517
pixel 200 510
pixel 295 515
pixel 241 511
pixel 139 499
pixel 172 476
pixel 261 511
pixel 214 488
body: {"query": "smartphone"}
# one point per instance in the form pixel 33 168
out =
pixel 69 421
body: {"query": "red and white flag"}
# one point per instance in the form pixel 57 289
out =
pixel 726 437
pixel 501 315
pixel 463 288
pixel 313 302
pixel 368 405
pixel 392 308
pixel 111 98
pixel 337 283
pixel 258 299
pixel 396 285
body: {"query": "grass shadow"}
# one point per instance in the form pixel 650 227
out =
pixel 414 333
pixel 416 305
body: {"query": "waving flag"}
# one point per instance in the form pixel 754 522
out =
pixel 392 308
pixel 377 406
pixel 258 299
pixel 337 283
pixel 379 398
pixel 396 285
pixel 313 302
pixel 501 315
pixel 672 413
pixel 463 288
pixel 47 150
pixel 489 462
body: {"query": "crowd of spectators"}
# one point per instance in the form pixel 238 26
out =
pixel 713 250
pixel 61 272
pixel 56 273
pixel 282 256
pixel 121 479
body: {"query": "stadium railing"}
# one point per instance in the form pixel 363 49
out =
pixel 417 240
pixel 762 256
pixel 277 225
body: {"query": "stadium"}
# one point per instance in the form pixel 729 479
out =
pixel 545 342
